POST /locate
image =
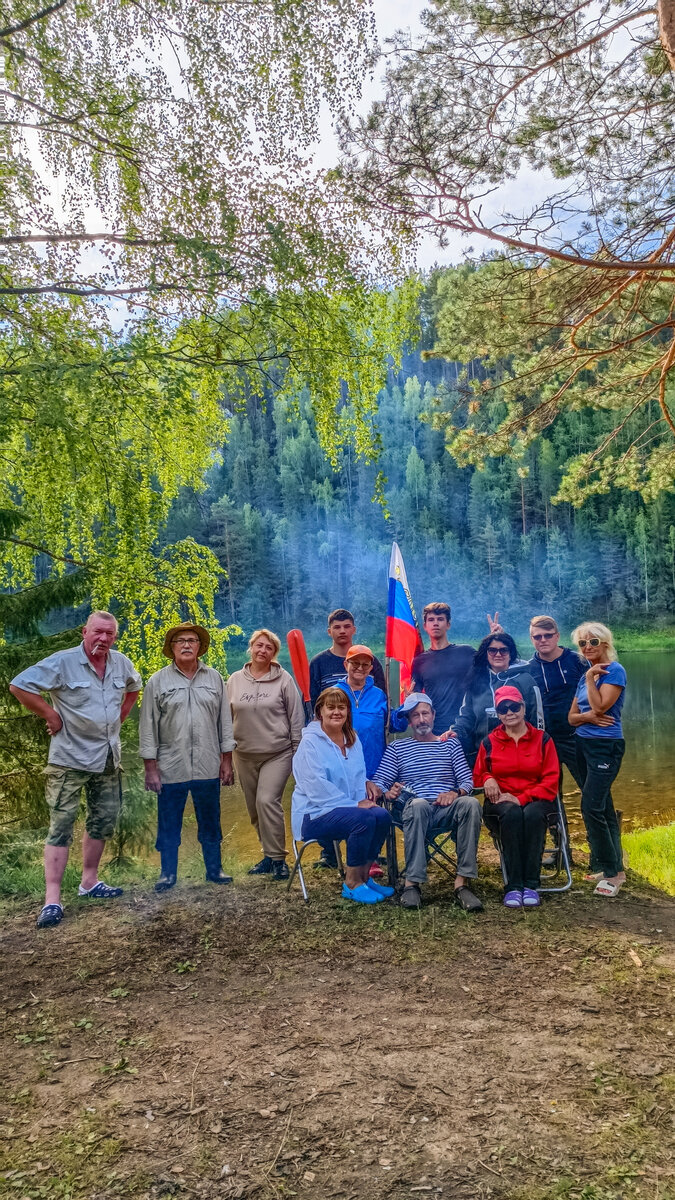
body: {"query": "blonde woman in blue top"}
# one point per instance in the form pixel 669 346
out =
pixel 596 716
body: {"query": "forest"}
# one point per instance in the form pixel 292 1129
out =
pixel 298 537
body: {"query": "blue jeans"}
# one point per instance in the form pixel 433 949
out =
pixel 171 803
pixel 363 829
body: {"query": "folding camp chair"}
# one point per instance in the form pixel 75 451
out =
pixel 297 865
pixel 556 821
pixel 435 847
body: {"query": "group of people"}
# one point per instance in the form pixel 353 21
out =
pixel 474 719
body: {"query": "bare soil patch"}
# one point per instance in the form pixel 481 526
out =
pixel 235 1042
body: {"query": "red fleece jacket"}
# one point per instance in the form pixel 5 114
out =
pixel 528 769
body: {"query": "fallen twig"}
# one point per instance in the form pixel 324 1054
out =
pixel 487 1168
pixel 66 1062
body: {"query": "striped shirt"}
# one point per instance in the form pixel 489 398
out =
pixel 429 768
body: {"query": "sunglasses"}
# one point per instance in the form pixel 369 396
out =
pixel 509 706
pixel 589 641
pixel 497 650
pixel 541 637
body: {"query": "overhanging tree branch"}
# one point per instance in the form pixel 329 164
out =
pixel 38 16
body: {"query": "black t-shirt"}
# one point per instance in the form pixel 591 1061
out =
pixel 326 668
pixel 443 675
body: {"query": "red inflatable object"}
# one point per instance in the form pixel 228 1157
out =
pixel 299 662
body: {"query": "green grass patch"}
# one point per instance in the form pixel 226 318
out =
pixel 651 854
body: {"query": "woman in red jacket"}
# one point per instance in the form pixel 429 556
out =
pixel 517 767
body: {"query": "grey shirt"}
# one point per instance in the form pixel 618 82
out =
pixel 186 723
pixel 88 705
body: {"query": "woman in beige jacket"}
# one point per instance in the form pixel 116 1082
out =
pixel 267 720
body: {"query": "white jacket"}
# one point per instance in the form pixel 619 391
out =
pixel 324 777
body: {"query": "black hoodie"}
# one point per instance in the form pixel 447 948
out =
pixel 557 681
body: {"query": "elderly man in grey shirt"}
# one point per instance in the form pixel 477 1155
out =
pixel 93 689
pixel 186 741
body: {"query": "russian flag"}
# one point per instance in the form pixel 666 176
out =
pixel 403 639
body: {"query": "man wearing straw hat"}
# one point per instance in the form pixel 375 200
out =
pixel 186 742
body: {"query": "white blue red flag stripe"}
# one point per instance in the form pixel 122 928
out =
pixel 403 639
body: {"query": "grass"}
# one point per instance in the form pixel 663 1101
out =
pixel 651 854
pixel 22 871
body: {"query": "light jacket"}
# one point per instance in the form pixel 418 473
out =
pixel 369 718
pixel 324 777
pixel 477 716
pixel 185 723
pixel 528 769
pixel 267 716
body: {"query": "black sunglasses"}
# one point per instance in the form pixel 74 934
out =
pixel 509 706
pixel 498 650
pixel 538 637
pixel 589 641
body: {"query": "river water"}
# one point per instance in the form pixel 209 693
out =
pixel 644 790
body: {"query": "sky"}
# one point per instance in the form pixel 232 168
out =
pixel 521 194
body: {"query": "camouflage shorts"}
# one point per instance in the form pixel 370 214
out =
pixel 103 793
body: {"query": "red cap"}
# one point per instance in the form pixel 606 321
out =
pixel 354 651
pixel 508 692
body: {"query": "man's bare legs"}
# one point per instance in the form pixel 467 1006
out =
pixel 92 850
pixel 56 859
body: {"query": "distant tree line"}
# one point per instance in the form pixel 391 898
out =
pixel 297 537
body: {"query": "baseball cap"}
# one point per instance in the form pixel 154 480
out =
pixel 413 700
pixel 508 692
pixel 355 651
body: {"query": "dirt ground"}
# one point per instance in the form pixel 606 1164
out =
pixel 233 1042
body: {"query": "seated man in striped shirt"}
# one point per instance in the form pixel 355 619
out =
pixel 430 784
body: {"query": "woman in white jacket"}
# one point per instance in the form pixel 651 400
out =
pixel 330 801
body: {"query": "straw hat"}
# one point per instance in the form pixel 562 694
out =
pixel 186 627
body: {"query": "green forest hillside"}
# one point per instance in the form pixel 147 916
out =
pixel 298 538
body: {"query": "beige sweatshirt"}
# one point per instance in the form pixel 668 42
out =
pixel 267 713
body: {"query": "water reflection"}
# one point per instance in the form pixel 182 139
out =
pixel 645 789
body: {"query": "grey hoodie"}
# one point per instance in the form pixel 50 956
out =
pixel 267 715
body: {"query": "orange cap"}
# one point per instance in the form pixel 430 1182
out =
pixel 354 651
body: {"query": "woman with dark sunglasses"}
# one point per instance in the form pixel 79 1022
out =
pixel 496 662
pixel 596 715
pixel 517 767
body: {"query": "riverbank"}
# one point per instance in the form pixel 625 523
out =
pixel 651 854
pixel 235 1042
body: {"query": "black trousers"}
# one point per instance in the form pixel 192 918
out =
pixel 602 759
pixel 522 829
pixel 568 752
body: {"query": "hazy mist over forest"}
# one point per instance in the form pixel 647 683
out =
pixel 298 538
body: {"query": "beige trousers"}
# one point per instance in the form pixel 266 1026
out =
pixel 263 778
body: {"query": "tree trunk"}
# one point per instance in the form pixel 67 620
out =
pixel 666 14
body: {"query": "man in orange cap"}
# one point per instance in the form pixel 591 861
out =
pixel 186 742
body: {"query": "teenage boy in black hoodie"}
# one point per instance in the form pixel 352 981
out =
pixel 556 672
